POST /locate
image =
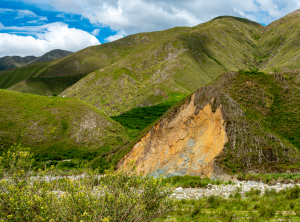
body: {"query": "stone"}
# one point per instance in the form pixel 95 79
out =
pixel 185 143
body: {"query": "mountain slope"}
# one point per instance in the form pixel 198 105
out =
pixel 280 44
pixel 9 62
pixel 242 122
pixel 56 128
pixel 52 55
pixel 145 68
pixel 178 61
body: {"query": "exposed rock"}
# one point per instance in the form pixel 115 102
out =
pixel 185 143
pixel 205 132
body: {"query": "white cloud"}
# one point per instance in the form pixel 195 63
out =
pixel 25 13
pixel 20 14
pixel 6 10
pixel 96 32
pixel 48 37
pixel 119 35
pixel 133 16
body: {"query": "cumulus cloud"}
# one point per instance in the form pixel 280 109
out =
pixel 132 16
pixel 47 37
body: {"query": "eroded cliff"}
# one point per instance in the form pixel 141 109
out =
pixel 208 135
pixel 184 144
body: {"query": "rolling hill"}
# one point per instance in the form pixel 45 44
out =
pixel 56 128
pixel 230 73
pixel 243 122
pixel 146 68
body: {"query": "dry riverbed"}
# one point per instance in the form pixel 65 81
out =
pixel 225 190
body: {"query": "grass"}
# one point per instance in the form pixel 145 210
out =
pixel 137 119
pixel 270 178
pixel 255 207
pixel 269 102
pixel 57 128
pixel 194 181
pixel 145 68
pixel 45 86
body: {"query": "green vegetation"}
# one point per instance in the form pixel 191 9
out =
pixel 195 181
pixel 271 104
pixel 119 196
pixel 271 178
pixel 274 103
pixel 45 86
pixel 139 118
pixel 124 195
pixel 270 206
pixel 57 129
pixel 145 68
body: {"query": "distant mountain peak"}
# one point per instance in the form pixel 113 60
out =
pixel 9 62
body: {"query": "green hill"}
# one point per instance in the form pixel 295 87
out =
pixel 143 69
pixel 135 80
pixel 56 128
pixel 261 118
pixel 178 60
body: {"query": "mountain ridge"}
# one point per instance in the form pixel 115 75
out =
pixel 10 62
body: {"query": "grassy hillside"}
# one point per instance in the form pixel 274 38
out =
pixel 271 104
pixel 143 69
pixel 45 86
pixel 155 65
pixel 280 43
pixel 261 113
pixel 56 128
pixel 139 118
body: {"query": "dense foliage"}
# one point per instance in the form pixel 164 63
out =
pixel 252 206
pixel 48 196
pixel 139 118
pixel 188 181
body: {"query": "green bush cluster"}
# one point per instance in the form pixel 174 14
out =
pixel 270 178
pixel 139 118
pixel 46 195
pixel 188 181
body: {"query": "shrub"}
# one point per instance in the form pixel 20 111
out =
pixel 253 192
pixel 266 210
pixel 213 201
pixel 294 193
pixel 118 196
pixel 297 210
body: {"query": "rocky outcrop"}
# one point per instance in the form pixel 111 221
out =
pixel 203 135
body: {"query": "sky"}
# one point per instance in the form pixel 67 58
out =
pixel 34 27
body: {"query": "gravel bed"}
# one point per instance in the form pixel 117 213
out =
pixel 225 190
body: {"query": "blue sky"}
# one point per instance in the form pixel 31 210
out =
pixel 34 27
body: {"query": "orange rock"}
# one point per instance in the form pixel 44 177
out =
pixel 187 144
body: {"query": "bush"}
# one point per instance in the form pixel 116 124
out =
pixel 266 210
pixel 118 196
pixel 213 201
pixel 294 193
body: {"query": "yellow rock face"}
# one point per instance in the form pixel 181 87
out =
pixel 184 144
